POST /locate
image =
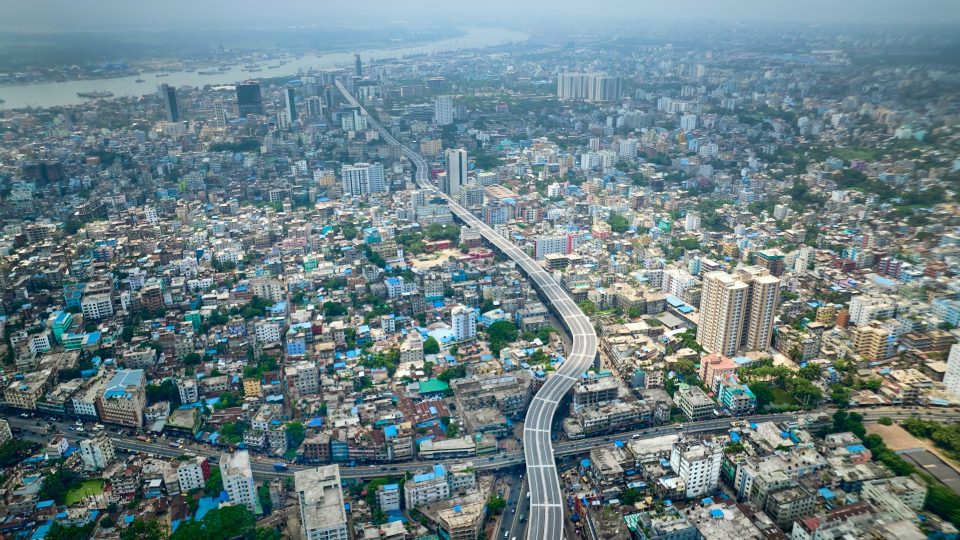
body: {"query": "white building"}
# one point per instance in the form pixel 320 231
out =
pixel 238 478
pixel 322 514
pixel 267 332
pixel 388 496
pixel 691 222
pixel 688 122
pixel 426 488
pixel 951 378
pixel 456 175
pixel 464 323
pixel 363 178
pixel 96 306
pixel 189 390
pixel 544 245
pixel 96 452
pixel 443 110
pixel 697 463
pixel 190 473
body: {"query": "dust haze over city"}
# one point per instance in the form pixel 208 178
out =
pixel 430 270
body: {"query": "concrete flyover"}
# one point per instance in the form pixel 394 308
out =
pixel 546 497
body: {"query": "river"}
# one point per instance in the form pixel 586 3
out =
pixel 55 94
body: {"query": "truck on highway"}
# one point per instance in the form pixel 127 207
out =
pixel 141 438
pixel 278 466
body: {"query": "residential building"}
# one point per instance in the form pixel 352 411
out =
pixel 320 497
pixel 363 179
pixel 388 496
pixel 425 488
pixel 697 462
pixel 238 479
pixel 193 473
pixel 694 402
pixel 97 452
pixel 737 311
pixel 464 323
pixel 123 398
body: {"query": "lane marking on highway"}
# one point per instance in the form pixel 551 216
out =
pixel 546 505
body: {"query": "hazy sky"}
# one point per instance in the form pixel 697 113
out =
pixel 27 15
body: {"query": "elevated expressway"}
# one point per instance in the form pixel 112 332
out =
pixel 546 497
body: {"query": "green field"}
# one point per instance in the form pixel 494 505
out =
pixel 782 397
pixel 89 487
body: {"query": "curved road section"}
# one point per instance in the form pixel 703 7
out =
pixel 546 497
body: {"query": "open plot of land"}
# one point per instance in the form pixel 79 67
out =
pixel 86 489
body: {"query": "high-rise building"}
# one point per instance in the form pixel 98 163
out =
pixel 290 104
pixel 219 114
pixel 168 97
pixel 122 400
pixel 443 110
pixel 322 514
pixel 238 478
pixel 193 473
pixel 464 323
pixel 249 99
pixel 698 464
pixel 456 176
pixel 357 66
pixel 589 86
pixel 314 106
pixel 951 378
pixel 737 311
pixel 96 452
pixel 363 178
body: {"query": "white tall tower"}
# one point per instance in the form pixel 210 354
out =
pixel 363 178
pixel 464 323
pixel 456 164
pixel 443 110
pixel 238 478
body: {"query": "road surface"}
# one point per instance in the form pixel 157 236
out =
pixel 546 497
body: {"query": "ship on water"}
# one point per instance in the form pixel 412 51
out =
pixel 96 94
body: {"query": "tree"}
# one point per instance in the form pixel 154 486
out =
pixel 456 372
pixel 214 484
pixel 811 372
pixel 618 223
pixel 587 307
pixel 296 432
pixel 263 495
pixel 334 309
pixel 501 333
pixel 165 391
pixel 630 496
pixel 69 532
pixel 56 485
pixel 430 346
pixel 226 522
pixel 15 450
pixel 538 357
pixel 142 530
pixel 885 421
pixel 763 393
pixel 495 504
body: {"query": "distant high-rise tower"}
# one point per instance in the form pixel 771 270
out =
pixel 219 114
pixel 443 110
pixel 314 106
pixel 456 163
pixel 737 310
pixel 249 100
pixel 168 97
pixel 290 104
pixel 357 65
